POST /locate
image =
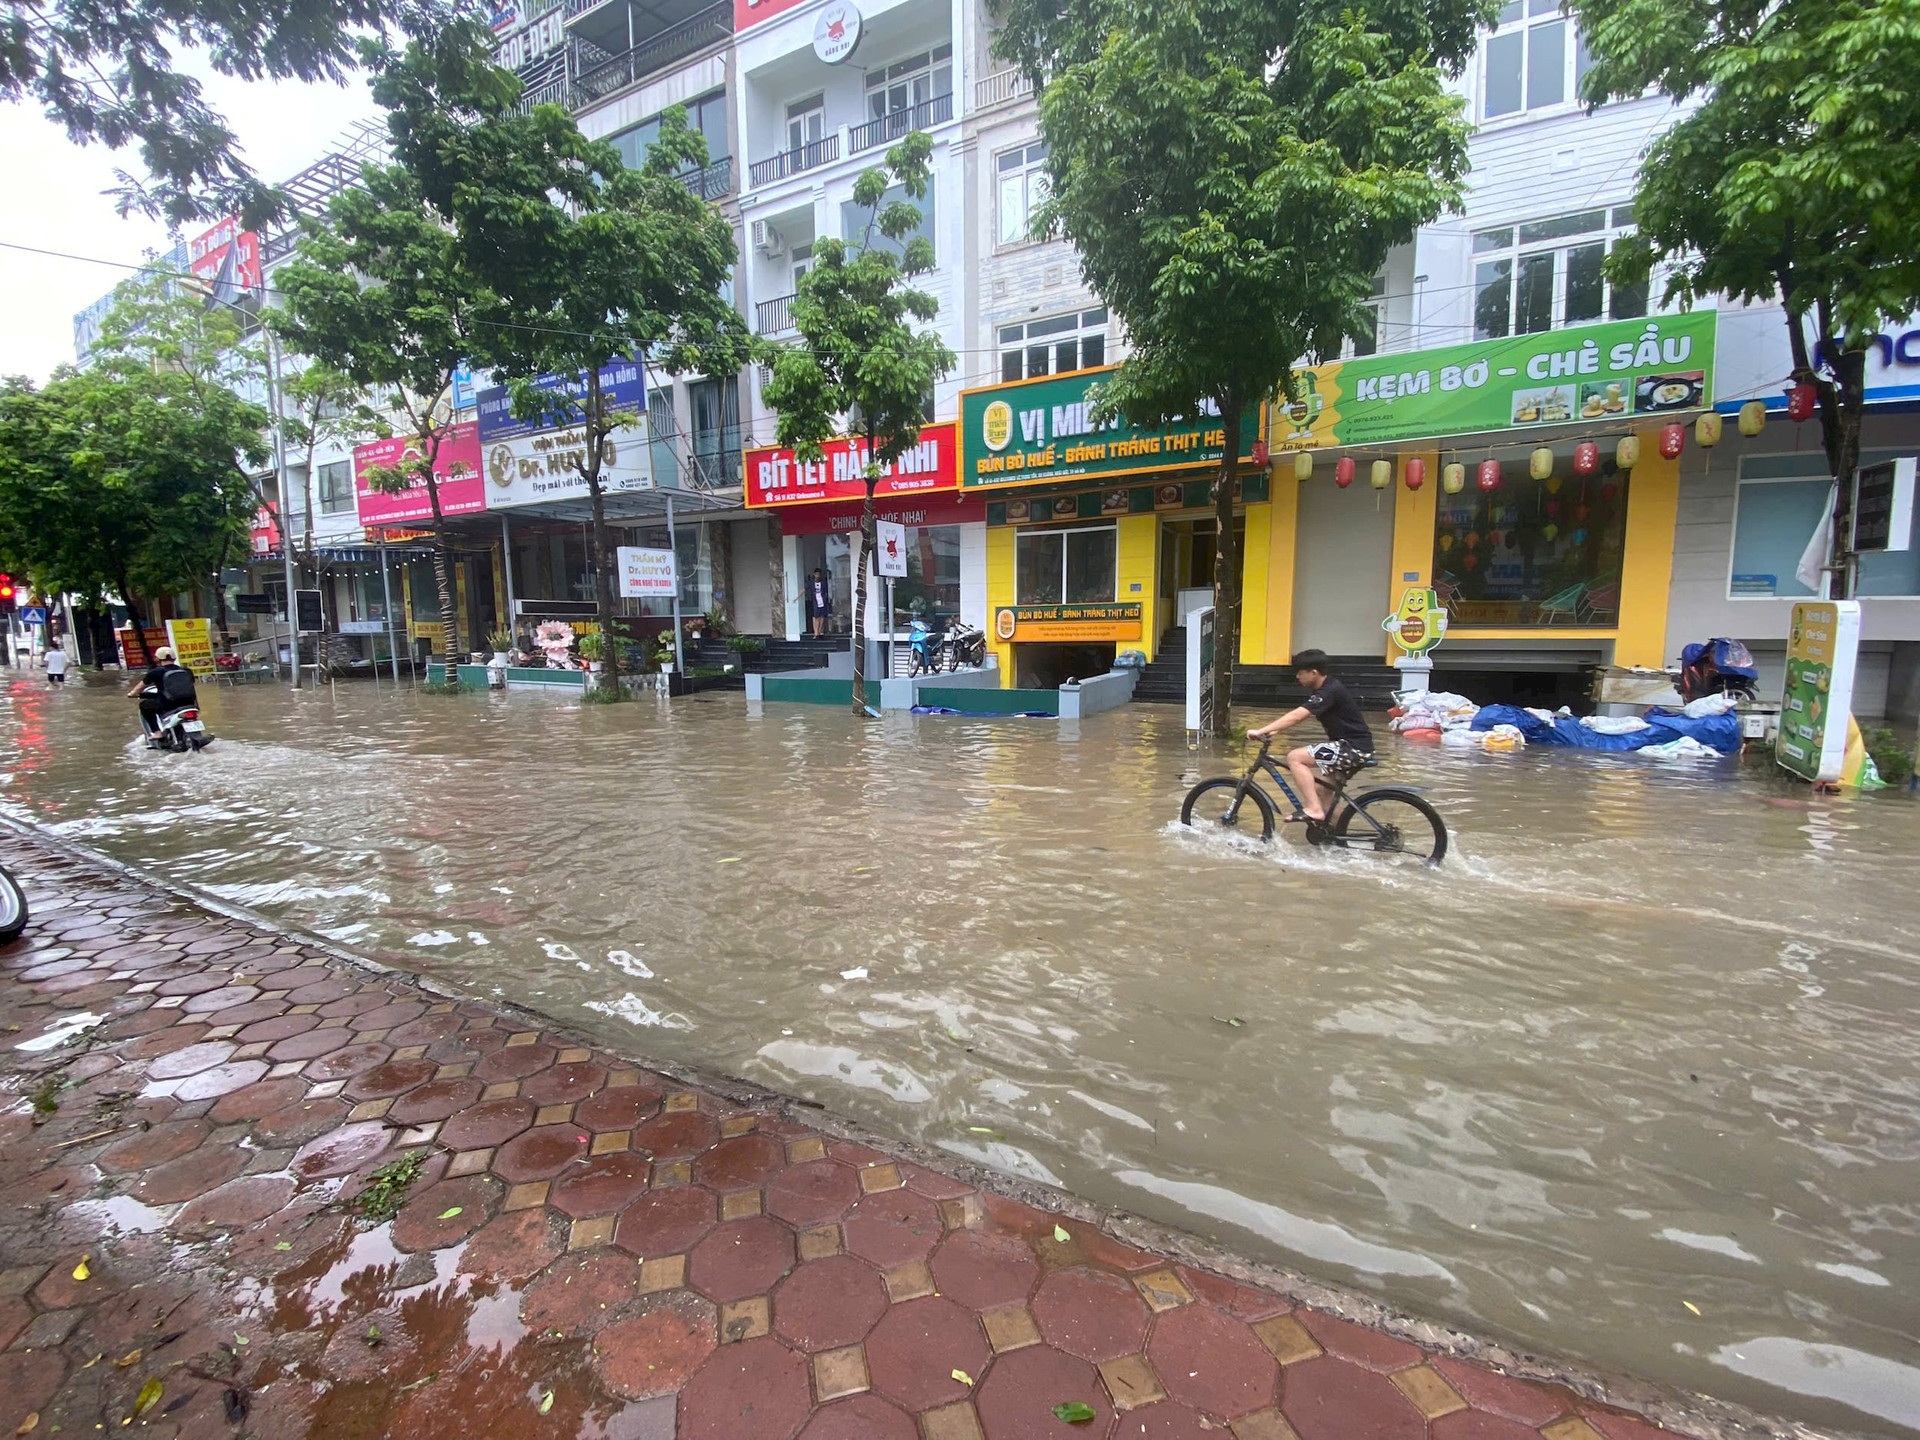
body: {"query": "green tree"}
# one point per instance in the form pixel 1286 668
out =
pixel 320 405
pixel 1792 175
pixel 861 367
pixel 593 264
pixel 108 74
pixel 382 292
pixel 1233 176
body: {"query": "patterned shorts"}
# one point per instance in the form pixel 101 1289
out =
pixel 1340 761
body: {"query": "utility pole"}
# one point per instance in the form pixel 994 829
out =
pixel 286 527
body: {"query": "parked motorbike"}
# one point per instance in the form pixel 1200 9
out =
pixel 178 730
pixel 965 645
pixel 924 643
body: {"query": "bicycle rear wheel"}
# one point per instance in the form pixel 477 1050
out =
pixel 1392 822
pixel 1218 805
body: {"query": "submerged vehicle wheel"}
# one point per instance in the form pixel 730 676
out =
pixel 1218 805
pixel 1392 822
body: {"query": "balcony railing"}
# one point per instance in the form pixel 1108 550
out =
pixel 711 182
pixel 1000 88
pixel 792 162
pixel 773 317
pixel 669 47
pixel 889 128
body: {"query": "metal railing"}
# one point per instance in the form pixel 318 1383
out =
pixel 889 128
pixel 669 47
pixel 773 317
pixel 577 8
pixel 710 182
pixel 1000 88
pixel 792 162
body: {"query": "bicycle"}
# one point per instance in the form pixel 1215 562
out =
pixel 1388 820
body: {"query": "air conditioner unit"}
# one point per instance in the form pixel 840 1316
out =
pixel 767 240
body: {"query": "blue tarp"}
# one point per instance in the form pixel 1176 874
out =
pixel 1719 732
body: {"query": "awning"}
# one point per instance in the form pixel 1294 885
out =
pixel 649 504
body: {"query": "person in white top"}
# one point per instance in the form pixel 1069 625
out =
pixel 56 663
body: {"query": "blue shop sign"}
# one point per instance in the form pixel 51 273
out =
pixel 623 387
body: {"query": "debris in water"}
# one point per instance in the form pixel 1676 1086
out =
pixel 1073 1412
pixel 80 1271
pixel 148 1397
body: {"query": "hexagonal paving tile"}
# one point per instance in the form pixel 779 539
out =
pixel 893 1227
pixel 435 1100
pixel 827 1304
pixel 666 1222
pixel 982 1270
pixel 342 1151
pixel 621 1108
pixel 345 1062
pixel 385 1017
pixel 918 1344
pixel 814 1193
pixel 190 1061
pixel 396 1077
pixel 516 1245
pixel 246 1201
pixel 654 1353
pixel 581 1293
pixel 262 1098
pixel 1091 1314
pixel 513 1062
pixel 489 1123
pixel 756 1390
pixel 679 1136
pixel 280 1027
pixel 311 1045
pixel 602 1186
pixel 1357 1343
pixel 166 1141
pixel 564 1084
pixel 298 1123
pixel 446 1213
pixel 1167 1420
pixel 1330 1399
pixel 1211 1361
pixel 540 1154
pixel 741 1258
pixel 205 1169
pixel 1019 1393
pixel 741 1163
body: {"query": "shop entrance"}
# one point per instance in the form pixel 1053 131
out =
pixel 1044 666
pixel 1343 556
pixel 834 554
pixel 1189 550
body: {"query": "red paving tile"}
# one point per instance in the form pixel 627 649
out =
pixel 497 1274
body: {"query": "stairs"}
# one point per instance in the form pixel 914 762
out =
pixel 1263 687
pixel 778 655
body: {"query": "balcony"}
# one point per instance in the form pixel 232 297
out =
pixel 710 27
pixel 889 128
pixel 792 162
pixel 773 317
pixel 1003 87
pixel 710 182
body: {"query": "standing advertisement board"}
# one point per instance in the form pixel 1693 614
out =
pixel 192 642
pixel 1200 709
pixel 890 548
pixel 1822 647
pixel 645 574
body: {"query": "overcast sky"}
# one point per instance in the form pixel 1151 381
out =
pixel 55 202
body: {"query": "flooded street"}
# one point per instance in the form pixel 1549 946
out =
pixel 1634 1079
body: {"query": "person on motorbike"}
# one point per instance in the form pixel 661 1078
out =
pixel 166 686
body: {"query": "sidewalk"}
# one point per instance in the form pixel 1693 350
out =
pixel 588 1248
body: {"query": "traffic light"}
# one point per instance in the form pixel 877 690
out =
pixel 7 595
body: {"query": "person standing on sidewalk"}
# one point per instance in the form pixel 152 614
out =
pixel 819 600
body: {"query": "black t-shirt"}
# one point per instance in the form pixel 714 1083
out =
pixel 167 685
pixel 1334 707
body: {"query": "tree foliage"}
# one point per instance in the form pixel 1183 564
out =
pixel 1793 174
pixel 588 262
pixel 1233 175
pixel 861 366
pixel 110 75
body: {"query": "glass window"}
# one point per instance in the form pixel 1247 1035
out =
pixel 1023 190
pixel 716 431
pixel 1054 346
pixel 1779 502
pixel 706 115
pixel 1092 565
pixel 1534 553
pixel 1039 567
pixel 1534 60
pixel 1502 56
pixel 854 219
pixel 1542 288
pixel 806 122
pixel 336 487
pixel 932 584
pixel 911 82
pixel 1072 567
pixel 1546 65
pixel 663 437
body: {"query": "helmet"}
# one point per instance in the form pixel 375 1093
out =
pixel 165 652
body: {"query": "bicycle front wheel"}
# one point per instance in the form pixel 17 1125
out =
pixel 1219 805
pixel 1392 822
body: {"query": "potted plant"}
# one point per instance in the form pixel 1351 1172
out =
pixel 593 650
pixel 502 642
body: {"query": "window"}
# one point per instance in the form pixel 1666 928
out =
pixel 806 122
pixel 1780 501
pixel 932 584
pixel 336 487
pixel 854 219
pixel 716 431
pixel 1534 60
pixel 1066 567
pixel 1545 273
pixel 910 83
pixel 1534 552
pixel 1053 347
pixel 1366 340
pixel 1023 190
pixel 663 437
pixel 707 115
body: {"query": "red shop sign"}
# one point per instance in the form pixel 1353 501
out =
pixel 845 519
pixel 777 477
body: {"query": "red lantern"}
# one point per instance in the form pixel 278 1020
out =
pixel 1586 458
pixel 1610 491
pixel 1553 507
pixel 1801 400
pixel 1673 439
pixel 1416 472
pixel 1343 472
pixel 1580 513
pixel 1260 454
pixel 1489 475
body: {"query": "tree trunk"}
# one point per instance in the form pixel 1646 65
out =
pixel 1842 412
pixel 220 596
pixel 443 592
pixel 137 652
pixel 605 559
pixel 721 536
pixel 1226 571
pixel 860 589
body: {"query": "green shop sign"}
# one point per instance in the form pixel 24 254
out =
pixel 1628 369
pixel 1035 431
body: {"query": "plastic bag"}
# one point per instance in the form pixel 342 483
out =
pixel 1685 748
pixel 1716 704
pixel 1504 737
pixel 1614 724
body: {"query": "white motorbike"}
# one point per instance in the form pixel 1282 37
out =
pixel 178 730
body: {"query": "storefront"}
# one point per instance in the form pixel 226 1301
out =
pixel 819 506
pixel 1098 538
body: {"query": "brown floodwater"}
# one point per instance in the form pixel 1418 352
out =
pixel 1633 1079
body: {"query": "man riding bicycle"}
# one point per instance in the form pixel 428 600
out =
pixel 1349 744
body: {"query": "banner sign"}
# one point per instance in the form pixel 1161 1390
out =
pixel 890 548
pixel 779 477
pixel 192 642
pixel 623 390
pixel 1420 623
pixel 1651 368
pixel 1036 431
pixel 645 574
pixel 748 13
pixel 1019 624
pixel 1822 647
pixel 226 257
pixel 844 519
pixel 456 471
pixel 1199 661
pixel 543 466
